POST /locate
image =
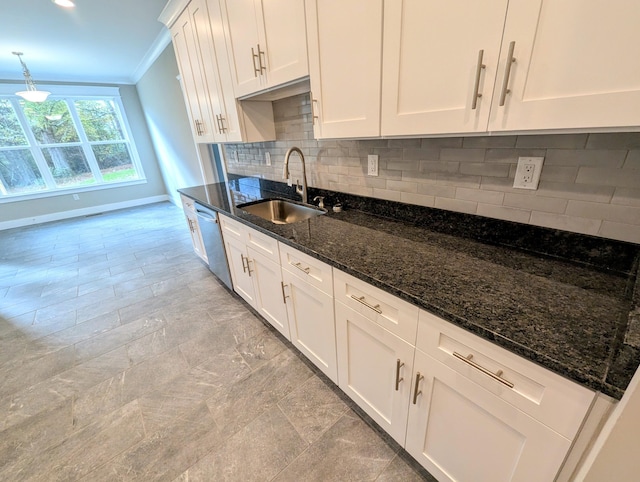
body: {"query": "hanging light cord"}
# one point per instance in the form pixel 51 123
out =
pixel 27 75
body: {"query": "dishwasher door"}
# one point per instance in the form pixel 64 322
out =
pixel 213 244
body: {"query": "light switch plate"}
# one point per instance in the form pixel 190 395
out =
pixel 267 158
pixel 528 172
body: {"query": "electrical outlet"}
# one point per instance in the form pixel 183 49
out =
pixel 235 157
pixel 76 197
pixel 267 158
pixel 528 172
pixel 372 167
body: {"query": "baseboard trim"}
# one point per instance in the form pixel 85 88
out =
pixel 74 213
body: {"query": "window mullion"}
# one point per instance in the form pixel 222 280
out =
pixel 36 152
pixel 86 146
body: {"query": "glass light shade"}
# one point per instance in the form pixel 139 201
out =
pixel 34 95
pixel 64 3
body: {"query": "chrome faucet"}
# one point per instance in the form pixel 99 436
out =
pixel 302 190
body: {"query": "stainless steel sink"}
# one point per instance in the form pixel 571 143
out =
pixel 280 211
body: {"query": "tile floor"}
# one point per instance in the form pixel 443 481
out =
pixel 123 358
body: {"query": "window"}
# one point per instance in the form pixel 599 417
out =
pixel 65 143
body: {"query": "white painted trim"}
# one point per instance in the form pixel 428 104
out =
pixel 157 47
pixel 74 213
pixel 172 11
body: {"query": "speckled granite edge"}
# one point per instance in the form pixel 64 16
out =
pixel 595 252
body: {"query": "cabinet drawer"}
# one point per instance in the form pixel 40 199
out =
pixel 262 243
pixel 187 203
pixel 307 268
pixel 547 397
pixel 393 314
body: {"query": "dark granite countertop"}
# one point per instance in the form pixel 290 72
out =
pixel 568 302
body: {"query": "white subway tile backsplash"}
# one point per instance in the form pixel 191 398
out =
pixel 458 205
pixel 590 183
pixel 626 196
pixel 566 223
pixel 611 212
pixel 620 231
pixel 534 202
pixel 480 196
pixel 505 213
pixel 582 157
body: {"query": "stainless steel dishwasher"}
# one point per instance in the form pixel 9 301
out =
pixel 213 244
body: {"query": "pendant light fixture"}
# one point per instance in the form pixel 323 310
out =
pixel 31 94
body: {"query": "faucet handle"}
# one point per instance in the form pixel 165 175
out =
pixel 321 203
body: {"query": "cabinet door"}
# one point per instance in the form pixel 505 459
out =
pixel 194 227
pixel 431 68
pixel 312 323
pixel 284 36
pixel 193 83
pixel 238 260
pixel 267 283
pixel 368 360
pixel 576 65
pixel 459 431
pixel 203 42
pixel 243 42
pixel 345 60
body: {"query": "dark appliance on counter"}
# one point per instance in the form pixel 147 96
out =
pixel 213 244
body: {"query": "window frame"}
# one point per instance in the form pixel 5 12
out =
pixel 70 94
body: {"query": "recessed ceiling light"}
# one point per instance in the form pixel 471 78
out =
pixel 64 3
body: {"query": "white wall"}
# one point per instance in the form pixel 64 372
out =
pixel 164 108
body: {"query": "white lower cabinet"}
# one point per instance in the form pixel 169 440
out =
pixel 311 322
pixel 464 408
pixel 459 431
pixel 194 228
pixel 374 369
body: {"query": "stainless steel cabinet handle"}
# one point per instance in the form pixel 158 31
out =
pixel 362 300
pixel 507 73
pixel 496 376
pixel 313 111
pixel 399 365
pixel 223 129
pixel 415 389
pixel 255 56
pixel 263 67
pixel 244 269
pixel 284 296
pixel 249 266
pixel 299 266
pixel 199 129
pixel 218 123
pixel 479 67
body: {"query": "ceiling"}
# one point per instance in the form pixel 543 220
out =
pixel 98 41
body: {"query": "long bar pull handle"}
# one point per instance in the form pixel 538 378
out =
pixel 496 376
pixel 479 67
pixel 313 111
pixel 415 389
pixel 244 269
pixel 299 266
pixel 399 365
pixel 284 296
pixel 199 129
pixel 263 67
pixel 218 123
pixel 362 300
pixel 254 56
pixel 507 73
pixel 249 266
pixel 222 128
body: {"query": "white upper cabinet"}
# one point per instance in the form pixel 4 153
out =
pixel 439 65
pixel 194 84
pixel 266 40
pixel 577 65
pixel 345 58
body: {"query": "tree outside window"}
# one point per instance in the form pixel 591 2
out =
pixel 63 143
